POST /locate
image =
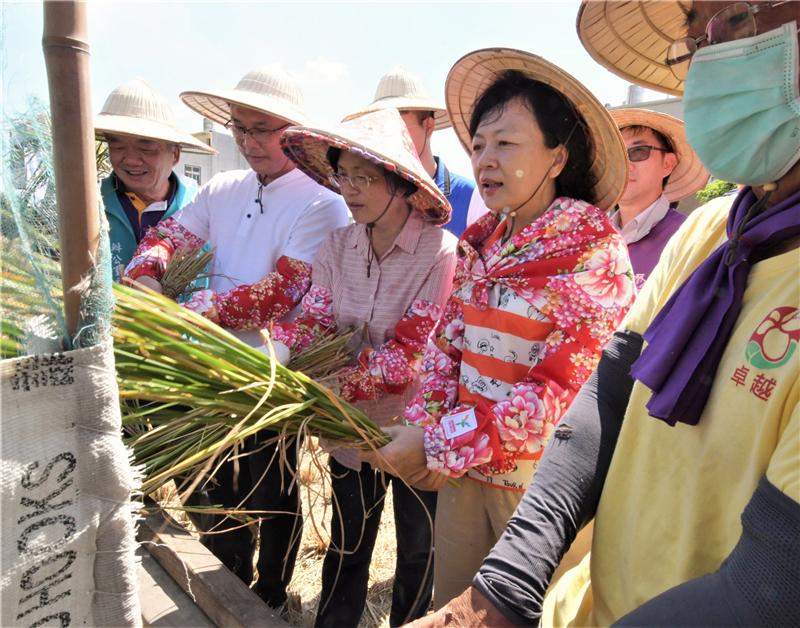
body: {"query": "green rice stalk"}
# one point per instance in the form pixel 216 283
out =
pixel 325 358
pixel 198 391
pixel 185 266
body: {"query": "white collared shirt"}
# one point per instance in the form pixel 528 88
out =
pixel 643 222
pixel 298 214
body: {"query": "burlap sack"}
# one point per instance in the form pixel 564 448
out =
pixel 65 486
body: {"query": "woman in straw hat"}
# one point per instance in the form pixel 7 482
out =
pixel 542 282
pixel 684 448
pixel 403 90
pixel 663 170
pixel 388 275
pixel 144 145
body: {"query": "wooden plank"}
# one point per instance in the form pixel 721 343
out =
pixel 225 599
pixel 164 604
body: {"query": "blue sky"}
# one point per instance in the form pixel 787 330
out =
pixel 338 51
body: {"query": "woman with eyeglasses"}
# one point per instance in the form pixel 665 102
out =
pixel 543 280
pixel 388 276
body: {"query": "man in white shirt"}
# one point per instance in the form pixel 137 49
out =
pixel 663 169
pixel 265 225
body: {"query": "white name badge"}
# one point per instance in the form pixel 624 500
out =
pixel 459 423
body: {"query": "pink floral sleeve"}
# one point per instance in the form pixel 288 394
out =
pixel 256 305
pixel 585 307
pixel 439 373
pixel 519 425
pixel 390 368
pixel 157 247
pixel 315 320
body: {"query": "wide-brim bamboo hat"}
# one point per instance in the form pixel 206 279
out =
pixel 402 90
pixel 689 175
pixel 380 137
pixel 136 109
pixel 475 72
pixel 269 89
pixel 632 38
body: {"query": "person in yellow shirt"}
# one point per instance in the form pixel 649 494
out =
pixel 684 445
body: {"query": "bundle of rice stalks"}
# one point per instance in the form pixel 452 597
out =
pixel 325 358
pixel 198 391
pixel 185 266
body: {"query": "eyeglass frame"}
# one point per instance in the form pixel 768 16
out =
pixel 649 148
pixel 337 179
pixel 259 136
pixel 693 43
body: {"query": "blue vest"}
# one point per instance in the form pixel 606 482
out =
pixel 120 231
pixel 458 191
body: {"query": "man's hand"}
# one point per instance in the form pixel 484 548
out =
pixel 404 456
pixel 145 282
pixel 469 610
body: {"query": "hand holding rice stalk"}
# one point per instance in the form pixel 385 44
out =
pixel 185 266
pixel 170 359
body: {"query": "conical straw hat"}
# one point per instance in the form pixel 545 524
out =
pixel 136 109
pixel 269 89
pixel 475 72
pixel 689 175
pixel 400 89
pixel 380 137
pixel 632 38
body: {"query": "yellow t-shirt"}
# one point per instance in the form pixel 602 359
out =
pixel 671 506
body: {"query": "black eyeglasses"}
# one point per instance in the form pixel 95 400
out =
pixel 642 152
pixel 736 21
pixel 258 134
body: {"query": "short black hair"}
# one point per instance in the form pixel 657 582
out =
pixel 558 120
pixel 394 182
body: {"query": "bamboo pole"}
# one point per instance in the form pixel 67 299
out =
pixel 66 54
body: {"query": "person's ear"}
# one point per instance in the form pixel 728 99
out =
pixel 560 158
pixel 429 124
pixel 176 154
pixel 669 162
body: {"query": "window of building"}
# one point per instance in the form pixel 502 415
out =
pixel 192 172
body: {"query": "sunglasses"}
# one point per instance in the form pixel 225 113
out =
pixel 642 152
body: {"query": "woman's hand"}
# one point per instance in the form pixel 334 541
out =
pixel 404 456
pixel 145 282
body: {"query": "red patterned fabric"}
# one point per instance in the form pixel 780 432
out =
pixel 520 334
pixel 157 247
pixel 393 309
pixel 256 305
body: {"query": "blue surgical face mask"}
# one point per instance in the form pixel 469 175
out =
pixel 742 109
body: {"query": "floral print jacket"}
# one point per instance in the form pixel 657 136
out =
pixel 245 307
pixel 393 309
pixel 520 334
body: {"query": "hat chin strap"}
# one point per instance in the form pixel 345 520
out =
pixel 370 226
pixel 509 213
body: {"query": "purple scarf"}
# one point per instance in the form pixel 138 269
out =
pixel 687 338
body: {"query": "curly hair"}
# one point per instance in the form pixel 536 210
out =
pixel 558 120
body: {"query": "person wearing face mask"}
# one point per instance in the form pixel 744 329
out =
pixel 543 280
pixel 144 145
pixel 402 90
pixel 265 225
pixel 684 453
pixel 662 170
pixel 388 276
